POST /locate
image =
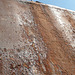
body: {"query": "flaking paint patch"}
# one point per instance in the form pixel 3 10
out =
pixel 24 55
pixel 53 69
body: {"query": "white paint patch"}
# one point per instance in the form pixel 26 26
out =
pixel 64 26
pixel 56 7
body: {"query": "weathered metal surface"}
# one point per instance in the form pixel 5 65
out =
pixel 36 39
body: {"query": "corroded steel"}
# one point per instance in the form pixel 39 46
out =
pixel 36 39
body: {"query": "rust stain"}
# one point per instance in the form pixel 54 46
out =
pixel 34 41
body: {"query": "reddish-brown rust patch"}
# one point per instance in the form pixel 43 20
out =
pixel 1 66
pixel 60 58
pixel 58 48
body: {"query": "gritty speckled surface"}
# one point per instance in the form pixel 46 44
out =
pixel 36 39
